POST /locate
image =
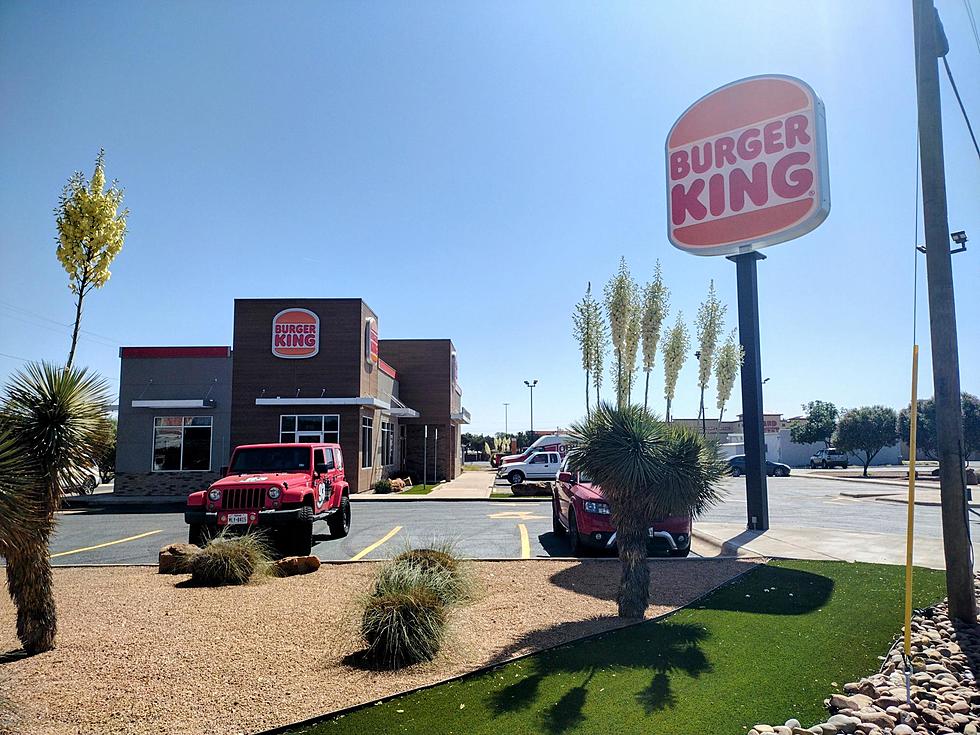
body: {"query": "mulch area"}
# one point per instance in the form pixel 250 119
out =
pixel 137 653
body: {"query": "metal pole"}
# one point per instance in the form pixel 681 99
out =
pixel 930 43
pixel 506 407
pixel 425 456
pixel 756 493
pixel 532 410
pixel 435 457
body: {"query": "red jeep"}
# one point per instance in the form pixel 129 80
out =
pixel 581 512
pixel 282 488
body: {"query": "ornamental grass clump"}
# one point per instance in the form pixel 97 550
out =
pixel 230 560
pixel 431 569
pixel 402 628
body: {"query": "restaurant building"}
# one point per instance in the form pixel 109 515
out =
pixel 298 370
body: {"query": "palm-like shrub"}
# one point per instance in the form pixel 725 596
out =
pixel 647 471
pixel 50 422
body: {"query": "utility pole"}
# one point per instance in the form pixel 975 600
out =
pixel 930 45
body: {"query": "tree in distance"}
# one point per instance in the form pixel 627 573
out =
pixel 866 431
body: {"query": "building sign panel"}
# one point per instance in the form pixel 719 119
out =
pixel 371 341
pixel 295 334
pixel 747 167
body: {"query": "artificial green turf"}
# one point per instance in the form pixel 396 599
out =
pixel 770 646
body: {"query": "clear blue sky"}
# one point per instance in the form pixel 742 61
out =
pixel 465 168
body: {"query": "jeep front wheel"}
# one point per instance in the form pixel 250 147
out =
pixel 195 534
pixel 299 541
pixel 339 522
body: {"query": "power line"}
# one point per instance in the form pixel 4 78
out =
pixel 949 73
pixel 973 23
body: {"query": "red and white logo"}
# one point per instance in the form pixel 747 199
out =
pixel 371 340
pixel 747 167
pixel 295 334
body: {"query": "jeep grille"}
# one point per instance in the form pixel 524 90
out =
pixel 252 498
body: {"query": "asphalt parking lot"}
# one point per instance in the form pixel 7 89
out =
pixel 483 529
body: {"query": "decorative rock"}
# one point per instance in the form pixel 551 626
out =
pixel 292 565
pixel 763 728
pixel 173 558
pixel 844 723
pixel 878 718
pixel 903 730
pixel 792 722
pixel 854 702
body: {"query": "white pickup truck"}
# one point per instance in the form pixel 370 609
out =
pixel 539 466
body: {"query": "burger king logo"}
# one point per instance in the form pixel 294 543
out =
pixel 747 167
pixel 295 334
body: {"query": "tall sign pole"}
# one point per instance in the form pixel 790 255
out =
pixel 746 169
pixel 930 44
pixel 753 437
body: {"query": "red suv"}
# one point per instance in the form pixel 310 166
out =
pixel 282 488
pixel 580 512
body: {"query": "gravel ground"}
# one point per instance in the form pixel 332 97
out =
pixel 137 654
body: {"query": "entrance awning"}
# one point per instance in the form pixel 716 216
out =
pixel 401 411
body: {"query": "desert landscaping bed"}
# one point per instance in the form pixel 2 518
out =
pixel 138 654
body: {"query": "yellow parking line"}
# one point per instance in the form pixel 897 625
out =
pixel 525 542
pixel 364 552
pixel 107 543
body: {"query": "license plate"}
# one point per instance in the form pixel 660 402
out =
pixel 238 519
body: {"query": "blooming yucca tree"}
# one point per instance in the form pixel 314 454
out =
pixel 656 300
pixel 730 358
pixel 51 424
pixel 676 345
pixel 620 295
pixel 710 322
pixel 590 333
pixel 91 231
pixel 646 471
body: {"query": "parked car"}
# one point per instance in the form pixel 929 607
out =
pixel 281 488
pixel 86 482
pixel 539 466
pixel 580 513
pixel 546 443
pixel 773 469
pixel 828 458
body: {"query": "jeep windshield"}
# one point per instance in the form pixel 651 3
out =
pixel 270 459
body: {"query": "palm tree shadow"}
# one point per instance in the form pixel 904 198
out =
pixel 670 648
pixel 16 654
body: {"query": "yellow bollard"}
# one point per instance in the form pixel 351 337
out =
pixel 913 415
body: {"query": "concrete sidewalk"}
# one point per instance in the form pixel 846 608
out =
pixel 471 485
pixel 727 539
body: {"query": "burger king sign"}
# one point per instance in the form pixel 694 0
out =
pixel 295 334
pixel 747 167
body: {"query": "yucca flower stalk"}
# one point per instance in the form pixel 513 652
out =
pixel 634 334
pixel 710 322
pixel 656 302
pixel 91 232
pixel 588 330
pixel 619 305
pixel 646 471
pixel 730 358
pixel 600 346
pixel 676 345
pixel 52 417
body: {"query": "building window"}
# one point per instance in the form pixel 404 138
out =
pixel 402 443
pixel 387 444
pixel 309 429
pixel 367 441
pixel 182 443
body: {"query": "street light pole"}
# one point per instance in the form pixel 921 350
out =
pixel 506 406
pixel 530 384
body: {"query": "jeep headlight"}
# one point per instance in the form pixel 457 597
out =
pixel 275 492
pixel 214 494
pixel 596 508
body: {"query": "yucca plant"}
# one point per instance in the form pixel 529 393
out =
pixel 51 420
pixel 647 471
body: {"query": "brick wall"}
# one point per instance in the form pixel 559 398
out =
pixel 170 484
